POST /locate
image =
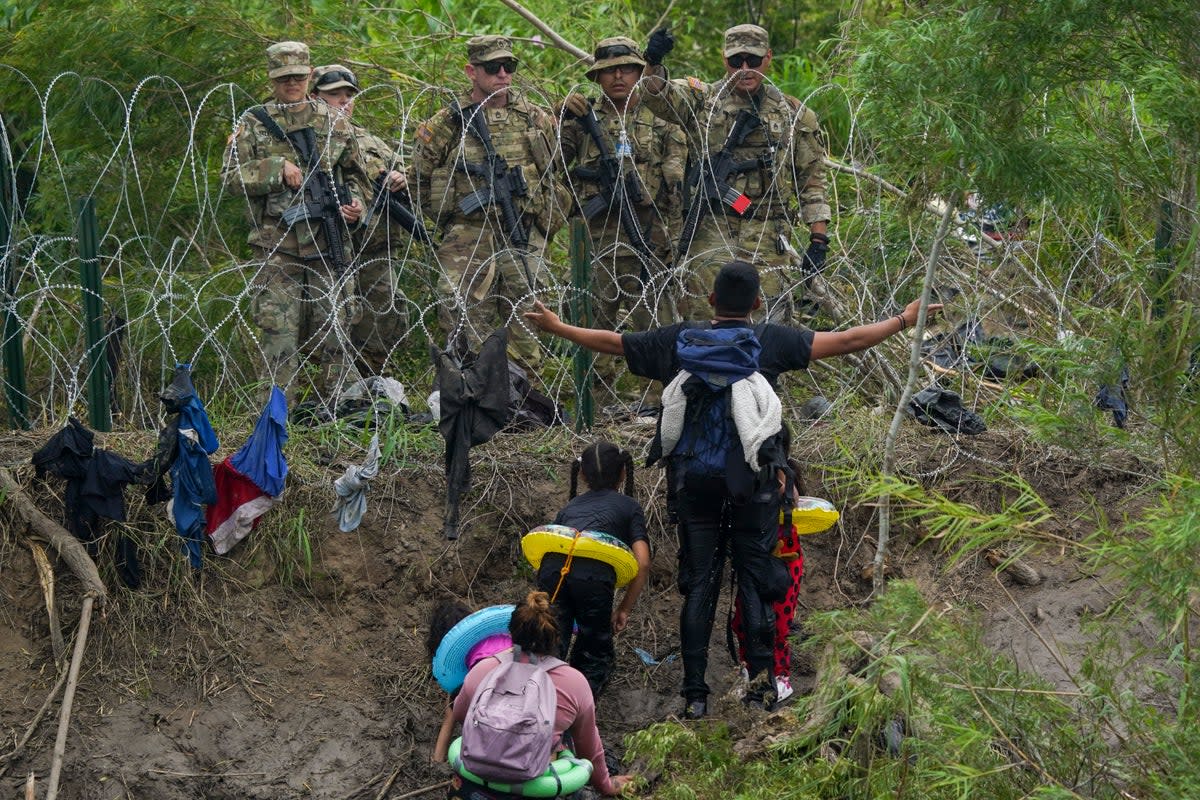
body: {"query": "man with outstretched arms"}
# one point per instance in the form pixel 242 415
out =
pixel 295 162
pixel 626 174
pixel 756 168
pixel 482 171
pixel 726 454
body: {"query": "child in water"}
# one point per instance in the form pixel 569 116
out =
pixel 584 595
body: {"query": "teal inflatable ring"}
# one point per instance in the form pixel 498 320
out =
pixel 565 775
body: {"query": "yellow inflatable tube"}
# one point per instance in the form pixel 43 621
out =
pixel 585 544
pixel 811 515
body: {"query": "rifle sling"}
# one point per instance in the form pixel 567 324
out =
pixel 298 139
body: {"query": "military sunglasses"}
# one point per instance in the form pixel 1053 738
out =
pixel 622 68
pixel 494 67
pixel 614 50
pixel 335 76
pixel 290 79
pixel 738 60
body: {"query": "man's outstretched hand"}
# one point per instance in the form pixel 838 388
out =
pixel 542 317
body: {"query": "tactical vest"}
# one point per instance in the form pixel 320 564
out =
pixel 268 230
pixel 377 155
pixel 771 188
pixel 645 135
pixel 518 139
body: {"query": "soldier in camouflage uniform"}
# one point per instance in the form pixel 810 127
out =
pixel 657 150
pixel 381 309
pixel 483 278
pixel 296 293
pixel 787 186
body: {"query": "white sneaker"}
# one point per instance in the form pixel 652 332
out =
pixel 783 688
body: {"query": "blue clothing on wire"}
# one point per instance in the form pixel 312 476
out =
pixel 191 473
pixel 261 458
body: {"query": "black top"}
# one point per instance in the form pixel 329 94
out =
pixel 604 510
pixel 607 511
pixel 652 354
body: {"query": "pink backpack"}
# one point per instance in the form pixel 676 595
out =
pixel 508 733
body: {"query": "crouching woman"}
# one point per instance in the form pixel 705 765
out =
pixel 534 630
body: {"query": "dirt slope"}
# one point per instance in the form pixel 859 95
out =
pixel 242 688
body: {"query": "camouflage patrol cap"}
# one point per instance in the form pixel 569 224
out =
pixel 613 52
pixel 489 48
pixel 287 58
pixel 328 77
pixel 747 39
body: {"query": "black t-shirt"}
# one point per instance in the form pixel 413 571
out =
pixel 604 510
pixel 607 511
pixel 652 354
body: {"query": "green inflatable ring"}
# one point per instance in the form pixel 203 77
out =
pixel 565 775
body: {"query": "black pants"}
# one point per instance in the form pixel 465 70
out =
pixel 708 522
pixel 463 789
pixel 586 600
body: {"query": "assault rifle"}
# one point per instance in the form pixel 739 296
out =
pixel 322 198
pixel 392 204
pixel 500 182
pixel 623 191
pixel 709 178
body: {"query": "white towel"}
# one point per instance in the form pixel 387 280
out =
pixel 674 406
pixel 757 413
pixel 756 410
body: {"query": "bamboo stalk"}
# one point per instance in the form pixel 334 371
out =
pixel 555 37
pixel 46 578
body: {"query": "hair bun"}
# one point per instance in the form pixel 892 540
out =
pixel 538 600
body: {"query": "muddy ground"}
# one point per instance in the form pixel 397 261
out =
pixel 258 683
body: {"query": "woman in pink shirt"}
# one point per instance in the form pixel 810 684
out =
pixel 534 629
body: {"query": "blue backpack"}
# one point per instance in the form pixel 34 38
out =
pixel 717 358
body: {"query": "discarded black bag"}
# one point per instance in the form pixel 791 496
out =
pixel 530 408
pixel 1111 397
pixel 942 408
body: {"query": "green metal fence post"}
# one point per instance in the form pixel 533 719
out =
pixel 99 413
pixel 581 311
pixel 14 353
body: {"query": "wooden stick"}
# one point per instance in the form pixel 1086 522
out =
pixel 46 578
pixel 67 546
pixel 387 785
pixel 582 55
pixel 64 720
pixel 30 789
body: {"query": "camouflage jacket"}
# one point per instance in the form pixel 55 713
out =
pixel 522 133
pixel 657 149
pixel 254 168
pixel 379 234
pixel 790 137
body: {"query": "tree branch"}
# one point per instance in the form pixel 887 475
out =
pixel 559 41
pixel 914 366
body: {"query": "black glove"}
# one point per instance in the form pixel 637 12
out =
pixel 814 256
pixel 661 42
